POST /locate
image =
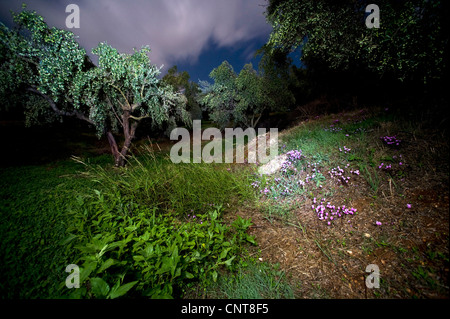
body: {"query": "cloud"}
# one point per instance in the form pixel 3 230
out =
pixel 176 30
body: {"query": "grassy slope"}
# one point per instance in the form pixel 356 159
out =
pixel 411 244
pixel 411 247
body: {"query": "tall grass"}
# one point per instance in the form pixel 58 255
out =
pixel 174 188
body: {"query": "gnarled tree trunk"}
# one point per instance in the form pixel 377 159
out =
pixel 129 132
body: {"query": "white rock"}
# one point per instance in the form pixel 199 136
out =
pixel 273 165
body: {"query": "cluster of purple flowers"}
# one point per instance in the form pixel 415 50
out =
pixel 255 184
pixel 391 140
pixel 293 157
pixel 338 173
pixel 345 150
pixel 333 129
pixel 329 212
pixel 385 167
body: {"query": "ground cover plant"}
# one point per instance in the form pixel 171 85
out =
pixel 33 205
pixel 154 226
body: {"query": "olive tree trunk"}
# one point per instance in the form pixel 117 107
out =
pixel 128 132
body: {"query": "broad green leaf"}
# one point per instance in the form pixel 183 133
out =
pixel 122 290
pixel 224 253
pixel 214 275
pixel 228 261
pixel 86 270
pixel 106 265
pixel 100 288
pixel 250 239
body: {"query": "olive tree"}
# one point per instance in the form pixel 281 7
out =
pixel 252 100
pixel 220 97
pixel 50 71
pixel 181 83
pixel 123 90
pixel 38 65
pixel 240 99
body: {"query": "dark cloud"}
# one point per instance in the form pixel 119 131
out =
pixel 178 31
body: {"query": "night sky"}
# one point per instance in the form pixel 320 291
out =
pixel 195 35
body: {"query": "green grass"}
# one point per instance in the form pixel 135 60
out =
pixel 179 189
pixel 313 140
pixel 256 281
pixel 34 201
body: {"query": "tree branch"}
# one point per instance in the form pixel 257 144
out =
pixel 139 118
pixel 26 59
pixel 123 95
pixel 52 104
pixel 114 111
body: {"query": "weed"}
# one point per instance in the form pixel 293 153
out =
pixel 141 252
pixel 423 274
pixel 371 176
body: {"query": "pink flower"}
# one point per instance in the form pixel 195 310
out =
pixel 378 223
pixel 408 206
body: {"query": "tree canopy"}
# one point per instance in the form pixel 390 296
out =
pixel 409 44
pixel 242 99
